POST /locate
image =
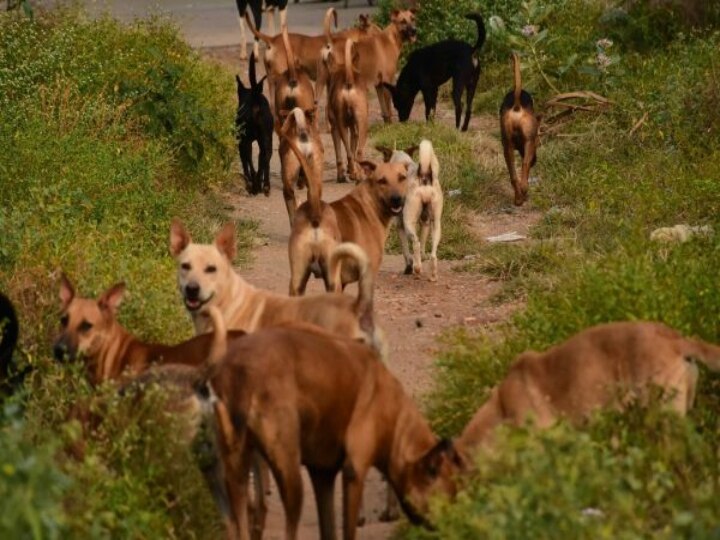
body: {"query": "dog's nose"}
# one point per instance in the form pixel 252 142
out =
pixel 59 351
pixel 192 291
pixel 396 200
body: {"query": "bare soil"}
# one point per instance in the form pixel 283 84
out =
pixel 413 312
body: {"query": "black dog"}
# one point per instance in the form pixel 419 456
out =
pixel 429 67
pixel 254 122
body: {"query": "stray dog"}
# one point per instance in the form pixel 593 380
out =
pixel 362 217
pixel 206 277
pixel 424 203
pixel 300 127
pixel 302 396
pixel 429 67
pixel 254 123
pixel 89 328
pixel 347 113
pixel 519 131
pixel 602 366
pixel 256 9
pixel 292 87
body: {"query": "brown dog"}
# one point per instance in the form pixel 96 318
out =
pixel 362 217
pixel 305 397
pixel 519 131
pixel 292 87
pixel 347 112
pixel 206 277
pixel 602 366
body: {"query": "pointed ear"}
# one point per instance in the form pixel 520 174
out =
pixel 179 237
pixel 225 241
pixel 385 151
pixel 67 292
pixel 393 14
pixel 112 298
pixel 259 86
pixel 410 150
pixel 368 167
pixel 413 11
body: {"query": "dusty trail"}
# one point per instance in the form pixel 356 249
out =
pixel 413 312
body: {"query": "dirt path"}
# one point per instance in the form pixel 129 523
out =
pixel 413 312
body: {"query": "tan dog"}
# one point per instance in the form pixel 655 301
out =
pixel 519 131
pixel 599 367
pixel 305 397
pixel 299 127
pixel 347 113
pixel 206 277
pixel 362 217
pixel 292 87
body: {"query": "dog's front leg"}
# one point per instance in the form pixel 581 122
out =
pixel 335 128
pixel 411 214
pixel 384 98
pixel 290 170
pixel 323 483
pixel 353 483
pixel 243 37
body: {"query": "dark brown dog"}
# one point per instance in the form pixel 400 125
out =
pixel 302 396
pixel 519 131
pixel 603 366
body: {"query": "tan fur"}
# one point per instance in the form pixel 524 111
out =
pixel 244 307
pixel 306 397
pixel 292 87
pixel 347 113
pixel 602 366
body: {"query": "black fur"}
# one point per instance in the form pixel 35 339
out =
pixel 9 331
pixel 254 123
pixel 429 67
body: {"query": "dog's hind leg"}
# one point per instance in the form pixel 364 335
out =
pixel 405 248
pixel 457 90
pixel 430 98
pixel 323 483
pixel 335 129
pixel 436 234
pixel 246 160
pixel 290 171
pixel 509 153
pixel 348 153
pixel 470 95
pixel 384 98
pixel 528 155
pixel 264 157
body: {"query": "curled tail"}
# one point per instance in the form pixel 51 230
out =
pixel 258 35
pixel 292 72
pixel 349 75
pixel 427 160
pixel 517 89
pixel 481 33
pixel 707 353
pixel 330 13
pixel 364 303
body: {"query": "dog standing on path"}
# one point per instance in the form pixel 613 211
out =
pixel 519 131
pixel 302 396
pixel 429 67
pixel 254 123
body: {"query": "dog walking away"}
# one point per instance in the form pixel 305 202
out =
pixel 519 131
pixel 424 203
pixel 302 396
pixel 254 123
pixel 362 217
pixel 603 366
pixel 347 113
pixel 429 67
pixel 293 87
pixel 206 277
pixel 90 329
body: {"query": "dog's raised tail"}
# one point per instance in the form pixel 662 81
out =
pixel 427 159
pixel 517 88
pixel 350 251
pixel 481 32
pixel 707 353
pixel 329 14
pixel 290 55
pixel 349 75
pixel 258 35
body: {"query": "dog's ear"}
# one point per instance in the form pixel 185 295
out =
pixel 259 86
pixel 394 14
pixel 225 240
pixel 385 151
pixel 112 298
pixel 67 292
pixel 444 452
pixel 368 167
pixel 410 150
pixel 179 237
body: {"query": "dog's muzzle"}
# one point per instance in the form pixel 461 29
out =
pixel 61 351
pixel 396 204
pixel 191 296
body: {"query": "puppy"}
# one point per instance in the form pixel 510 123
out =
pixel 254 123
pixel 305 397
pixel 362 217
pixel 347 113
pixel 424 203
pixel 429 67
pixel 206 277
pixel 602 366
pixel 519 131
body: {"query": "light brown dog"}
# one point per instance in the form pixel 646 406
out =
pixel 603 366
pixel 362 217
pixel 291 87
pixel 305 397
pixel 299 126
pixel 347 113
pixel 206 277
pixel 519 131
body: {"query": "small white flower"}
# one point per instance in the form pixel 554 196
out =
pixel 529 30
pixel 604 43
pixel 603 61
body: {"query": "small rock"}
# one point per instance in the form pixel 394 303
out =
pixel 418 323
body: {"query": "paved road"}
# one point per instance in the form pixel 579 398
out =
pixel 213 23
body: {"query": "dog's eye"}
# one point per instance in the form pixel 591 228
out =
pixel 383 181
pixel 64 321
pixel 185 266
pixel 402 178
pixel 211 269
pixel 85 326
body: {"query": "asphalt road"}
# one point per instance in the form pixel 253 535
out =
pixel 213 23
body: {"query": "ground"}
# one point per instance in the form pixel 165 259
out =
pixel 413 312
